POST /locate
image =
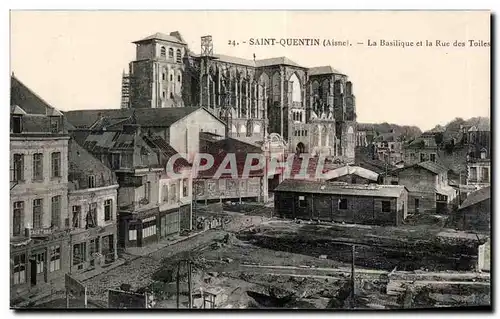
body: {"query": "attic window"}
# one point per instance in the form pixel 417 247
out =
pixel 17 126
pixel 54 124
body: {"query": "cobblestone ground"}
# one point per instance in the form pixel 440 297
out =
pixel 137 271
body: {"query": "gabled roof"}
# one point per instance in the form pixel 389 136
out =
pixel 351 170
pixel 172 37
pixel 434 167
pixel 15 109
pixel 157 117
pixel 477 197
pixel 314 187
pixel 326 69
pixel 27 100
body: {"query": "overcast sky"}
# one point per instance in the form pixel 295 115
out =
pixel 75 60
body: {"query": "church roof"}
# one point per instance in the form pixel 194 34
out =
pixel 276 61
pixel 174 37
pixel 326 69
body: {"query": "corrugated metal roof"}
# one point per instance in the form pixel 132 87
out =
pixel 326 69
pixel 313 187
pixel 476 197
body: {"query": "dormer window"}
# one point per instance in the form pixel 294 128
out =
pixel 483 154
pixel 163 52
pixel 17 126
pixel 54 124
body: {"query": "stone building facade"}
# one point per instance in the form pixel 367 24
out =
pixel 313 109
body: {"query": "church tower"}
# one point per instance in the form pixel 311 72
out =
pixel 156 75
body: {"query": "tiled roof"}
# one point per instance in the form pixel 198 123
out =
pixel 326 69
pixel 313 187
pixel 434 167
pixel 172 37
pixel 161 117
pixel 476 197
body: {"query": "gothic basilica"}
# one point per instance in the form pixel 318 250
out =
pixel 312 109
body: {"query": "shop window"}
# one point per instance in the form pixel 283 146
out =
pixel 108 209
pixel 386 206
pixel 77 216
pixel 79 254
pixel 38 166
pixel 93 250
pixel 343 203
pixel 19 269
pixel 149 229
pixel 473 174
pixel 40 262
pixel 17 220
pixel 132 234
pixel 302 202
pixel 55 258
pixel 485 175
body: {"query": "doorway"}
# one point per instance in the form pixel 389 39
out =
pixel 33 271
pixel 301 148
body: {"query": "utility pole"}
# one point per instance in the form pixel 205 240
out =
pixel 178 284
pixel 353 281
pixel 190 285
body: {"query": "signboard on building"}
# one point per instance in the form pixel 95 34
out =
pixel 119 299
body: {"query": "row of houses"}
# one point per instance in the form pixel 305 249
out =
pixel 87 184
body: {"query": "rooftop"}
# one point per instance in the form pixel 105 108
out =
pixel 326 69
pixel 477 197
pixel 174 37
pixel 314 187
pixel 115 118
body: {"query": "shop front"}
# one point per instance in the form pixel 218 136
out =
pixel 139 229
pixel 93 248
pixel 38 258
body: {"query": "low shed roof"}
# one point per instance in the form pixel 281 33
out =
pixel 314 187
